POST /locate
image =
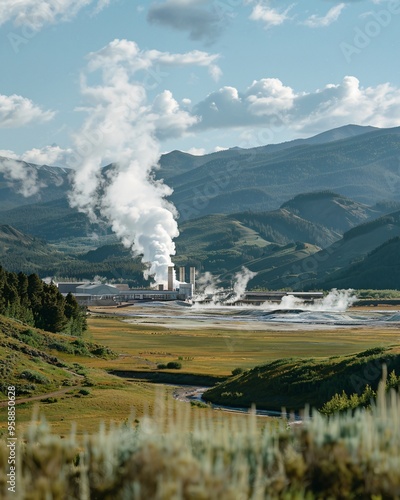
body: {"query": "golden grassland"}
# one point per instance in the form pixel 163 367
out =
pixel 206 349
pixel 216 351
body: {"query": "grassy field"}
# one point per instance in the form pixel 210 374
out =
pixel 217 351
pixel 206 348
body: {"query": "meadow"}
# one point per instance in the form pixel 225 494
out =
pixel 202 348
pixel 217 350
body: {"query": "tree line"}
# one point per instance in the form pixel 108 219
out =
pixel 35 303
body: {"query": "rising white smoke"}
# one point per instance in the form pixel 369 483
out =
pixel 335 301
pixel 209 288
pixel 240 283
pixel 22 177
pixel 123 127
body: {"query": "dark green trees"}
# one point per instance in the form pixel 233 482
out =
pixel 30 300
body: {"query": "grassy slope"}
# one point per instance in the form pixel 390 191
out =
pixel 295 382
pixel 66 371
pixel 331 210
pixel 353 247
pixel 213 351
pixel 381 267
pixel 24 349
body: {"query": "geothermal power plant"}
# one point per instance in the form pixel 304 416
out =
pixel 110 294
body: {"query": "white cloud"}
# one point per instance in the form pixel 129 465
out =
pixel 330 17
pixel 17 111
pixel 269 103
pixel 20 176
pixel 196 151
pixel 48 155
pixel 202 19
pixel 268 15
pixel 128 55
pixel 268 96
pixel 170 120
pixel 38 13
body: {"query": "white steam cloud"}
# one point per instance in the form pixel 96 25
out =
pixel 240 283
pixel 122 127
pixel 22 177
pixel 335 301
pixel 209 289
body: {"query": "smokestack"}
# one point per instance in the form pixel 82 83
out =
pixel 182 274
pixel 193 276
pixel 160 288
pixel 171 272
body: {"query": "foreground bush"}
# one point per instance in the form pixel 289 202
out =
pixel 185 456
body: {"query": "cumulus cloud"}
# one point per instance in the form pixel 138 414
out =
pixel 48 155
pixel 17 111
pixel 38 13
pixel 268 102
pixel 202 19
pixel 126 55
pixel 269 16
pixel 330 17
pixel 169 119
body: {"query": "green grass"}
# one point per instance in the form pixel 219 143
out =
pixel 217 351
pixel 295 382
pixel 178 451
pixel 202 350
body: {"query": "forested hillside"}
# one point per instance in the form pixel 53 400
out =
pixel 35 303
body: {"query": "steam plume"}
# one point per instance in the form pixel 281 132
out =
pixel 122 126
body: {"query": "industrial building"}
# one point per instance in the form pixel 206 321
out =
pixel 88 293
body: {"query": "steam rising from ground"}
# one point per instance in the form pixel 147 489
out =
pixel 208 287
pixel 335 301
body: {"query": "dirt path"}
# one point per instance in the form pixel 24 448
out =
pixel 53 394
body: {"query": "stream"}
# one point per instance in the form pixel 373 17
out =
pixel 195 393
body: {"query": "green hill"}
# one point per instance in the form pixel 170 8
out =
pixel 292 383
pixel 380 269
pixel 20 252
pixel 29 359
pixel 363 167
pixel 283 226
pixel 331 210
pixel 355 245
pixel 357 162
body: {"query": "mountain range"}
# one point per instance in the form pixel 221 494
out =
pixel 314 212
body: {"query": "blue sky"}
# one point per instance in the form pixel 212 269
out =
pixel 226 73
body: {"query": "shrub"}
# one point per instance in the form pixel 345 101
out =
pixel 174 365
pixel 343 456
pixel 199 404
pixel 33 376
pixel 62 347
pixel 49 400
pixel 84 392
pixel 161 366
pixel 237 371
